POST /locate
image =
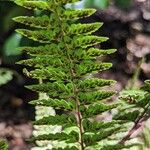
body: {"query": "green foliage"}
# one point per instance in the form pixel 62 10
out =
pixel 10 39
pixel 3 145
pixel 6 75
pixel 97 3
pixel 65 62
pixel 12 43
pixel 135 102
pixel 123 4
pixel 135 108
pixel 104 4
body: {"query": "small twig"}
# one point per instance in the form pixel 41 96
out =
pixel 137 124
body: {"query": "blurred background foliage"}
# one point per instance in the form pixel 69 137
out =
pixel 103 4
pixel 126 23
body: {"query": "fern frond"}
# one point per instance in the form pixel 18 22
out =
pixel 49 73
pixel 70 138
pixel 97 52
pixel 93 126
pixel 63 61
pixel 42 36
pixel 55 103
pixel 32 4
pixel 91 97
pixel 57 120
pixel 41 50
pixel 77 14
pixel 93 83
pixel 78 29
pixel 83 68
pixel 93 138
pixel 91 53
pixel 135 108
pixel 43 61
pixel 86 41
pixel 96 109
pixel 37 22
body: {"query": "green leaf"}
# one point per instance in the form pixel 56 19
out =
pixel 43 61
pixel 57 120
pixel 95 126
pixel 92 138
pixel 77 14
pixel 94 82
pixel 6 75
pixel 84 28
pixel 42 36
pixel 49 87
pixel 127 115
pixel 37 22
pixel 32 4
pixel 99 52
pixel 116 147
pixel 96 109
pixel 49 73
pixel 132 96
pixel 70 138
pixel 91 97
pixel 11 44
pixel 83 69
pixel 51 49
pixel 91 53
pixel 102 4
pixel 55 103
pixel 86 41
